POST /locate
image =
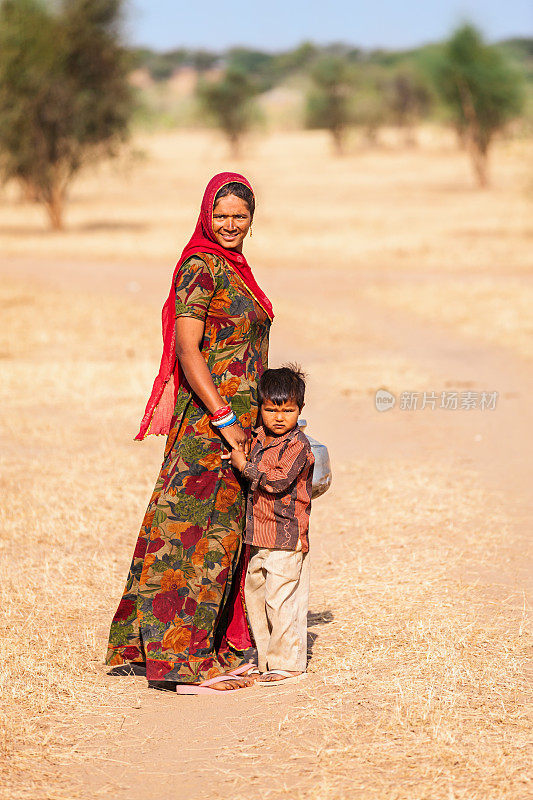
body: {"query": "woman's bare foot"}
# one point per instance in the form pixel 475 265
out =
pixel 235 683
pixel 238 683
pixel 272 676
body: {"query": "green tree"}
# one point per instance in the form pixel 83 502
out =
pixel 202 60
pixel 482 91
pixel 370 111
pixel 255 64
pixel 228 102
pixel 328 102
pixel 409 100
pixel 64 94
pixel 295 60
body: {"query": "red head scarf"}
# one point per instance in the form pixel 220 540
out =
pixel 160 407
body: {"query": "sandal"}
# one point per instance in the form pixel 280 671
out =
pixel 205 686
pixel 245 671
pixel 287 677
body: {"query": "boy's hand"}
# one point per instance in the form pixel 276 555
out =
pixel 238 459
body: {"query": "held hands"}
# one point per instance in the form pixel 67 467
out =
pixel 236 438
pixel 238 459
pixel 225 420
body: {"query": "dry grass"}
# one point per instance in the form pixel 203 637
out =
pixel 67 386
pixel 385 209
pixel 493 309
pixel 417 688
pixel 348 369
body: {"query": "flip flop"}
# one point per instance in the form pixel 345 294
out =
pixel 286 677
pixel 204 687
pixel 245 670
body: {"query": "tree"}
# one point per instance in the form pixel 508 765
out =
pixel 228 102
pixel 370 111
pixel 202 60
pixel 253 63
pixel 64 94
pixel 482 91
pixel 295 60
pixel 408 100
pixel 328 103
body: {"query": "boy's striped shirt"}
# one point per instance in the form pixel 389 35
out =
pixel 279 500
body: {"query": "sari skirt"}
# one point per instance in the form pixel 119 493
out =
pixel 182 610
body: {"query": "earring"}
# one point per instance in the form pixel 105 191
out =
pixel 250 230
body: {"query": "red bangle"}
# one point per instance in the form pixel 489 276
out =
pixel 221 412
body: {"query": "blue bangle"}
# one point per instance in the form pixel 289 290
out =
pixel 222 421
pixel 231 421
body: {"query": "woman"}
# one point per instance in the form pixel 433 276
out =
pixel 181 613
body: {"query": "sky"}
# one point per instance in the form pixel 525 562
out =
pixel 275 25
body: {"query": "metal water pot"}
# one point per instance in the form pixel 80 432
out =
pixel 322 471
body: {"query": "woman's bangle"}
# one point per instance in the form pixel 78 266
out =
pixel 219 413
pixel 222 420
pixel 230 419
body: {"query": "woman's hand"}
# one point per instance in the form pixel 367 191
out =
pixel 238 459
pixel 236 438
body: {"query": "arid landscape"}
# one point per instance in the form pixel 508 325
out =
pixel 387 269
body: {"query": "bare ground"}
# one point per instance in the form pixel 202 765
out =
pixel 418 624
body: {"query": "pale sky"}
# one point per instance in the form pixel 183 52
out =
pixel 275 25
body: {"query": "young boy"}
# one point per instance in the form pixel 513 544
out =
pixel 280 471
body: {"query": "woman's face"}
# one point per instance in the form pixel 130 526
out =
pixel 231 221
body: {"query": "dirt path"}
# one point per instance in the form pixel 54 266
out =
pixel 492 443
pixel 149 759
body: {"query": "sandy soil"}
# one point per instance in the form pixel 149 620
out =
pixel 417 630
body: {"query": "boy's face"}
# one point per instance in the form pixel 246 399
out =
pixel 277 420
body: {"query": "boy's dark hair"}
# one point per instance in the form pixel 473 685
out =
pixel 239 190
pixel 282 385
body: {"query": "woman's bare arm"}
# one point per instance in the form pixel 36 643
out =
pixel 189 334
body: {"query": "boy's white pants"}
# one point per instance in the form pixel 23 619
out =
pixel 277 598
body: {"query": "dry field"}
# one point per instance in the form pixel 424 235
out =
pixel 387 269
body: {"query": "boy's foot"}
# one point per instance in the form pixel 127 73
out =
pixel 276 676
